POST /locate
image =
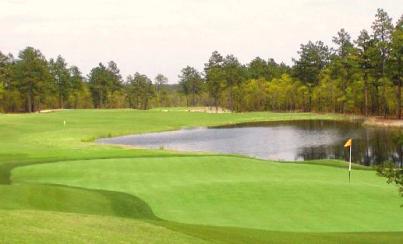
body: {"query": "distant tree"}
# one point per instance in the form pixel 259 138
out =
pixel 366 49
pixel 32 74
pixel 382 33
pixel 5 66
pixel 100 85
pixel 139 90
pixel 343 65
pixel 77 86
pixel 104 82
pixel 160 80
pixel 257 69
pixel 61 76
pixel 313 58
pixel 191 83
pixel 116 97
pixel 234 74
pixel 395 63
pixel 343 42
pixel 114 76
pixel 276 70
pixel 215 77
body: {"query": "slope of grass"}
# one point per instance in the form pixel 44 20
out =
pixel 239 192
pixel 55 227
pixel 69 199
pixel 241 235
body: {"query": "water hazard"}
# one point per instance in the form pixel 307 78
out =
pixel 287 141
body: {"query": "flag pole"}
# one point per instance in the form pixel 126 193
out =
pixel 349 167
pixel 349 144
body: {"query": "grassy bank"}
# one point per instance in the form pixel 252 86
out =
pixel 53 172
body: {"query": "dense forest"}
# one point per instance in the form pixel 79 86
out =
pixel 362 76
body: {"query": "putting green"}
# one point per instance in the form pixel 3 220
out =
pixel 238 192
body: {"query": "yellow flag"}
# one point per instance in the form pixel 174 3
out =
pixel 348 143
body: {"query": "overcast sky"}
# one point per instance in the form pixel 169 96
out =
pixel 163 36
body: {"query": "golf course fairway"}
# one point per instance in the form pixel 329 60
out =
pixel 58 185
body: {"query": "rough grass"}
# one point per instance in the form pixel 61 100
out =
pixel 99 184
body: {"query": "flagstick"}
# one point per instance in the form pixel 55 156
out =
pixel 349 167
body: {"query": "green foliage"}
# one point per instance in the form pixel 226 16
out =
pixel 61 76
pixel 33 78
pixel 395 63
pixel 139 90
pixel 313 58
pixel 234 75
pixel 215 77
pixel 104 82
pixel 392 171
pixel 253 94
pixel 191 83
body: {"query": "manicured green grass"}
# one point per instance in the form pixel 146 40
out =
pixel 57 185
pixel 238 192
pixel 22 226
pixel 56 227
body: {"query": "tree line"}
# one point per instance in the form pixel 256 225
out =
pixel 32 83
pixel 360 76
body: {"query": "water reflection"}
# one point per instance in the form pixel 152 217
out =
pixel 291 140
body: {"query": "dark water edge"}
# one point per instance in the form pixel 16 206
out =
pixel 282 140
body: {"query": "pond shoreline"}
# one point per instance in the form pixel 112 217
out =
pixel 381 122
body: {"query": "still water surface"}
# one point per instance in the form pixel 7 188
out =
pixel 291 140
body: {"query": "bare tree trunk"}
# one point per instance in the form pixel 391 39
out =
pixel 399 99
pixel 145 106
pixel 231 101
pixel 61 103
pixel 30 98
pixel 100 99
pixel 29 103
pixel 216 104
pixel 385 102
pixel 366 94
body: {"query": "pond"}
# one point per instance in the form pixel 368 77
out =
pixel 286 141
